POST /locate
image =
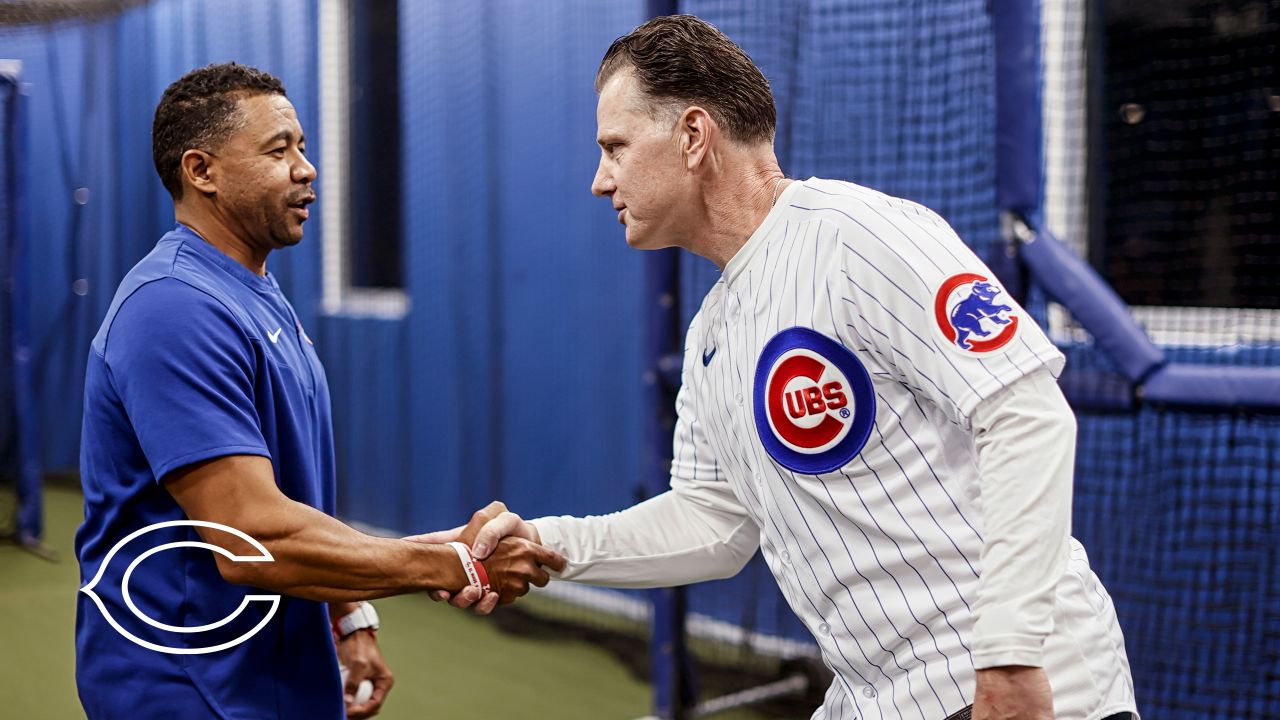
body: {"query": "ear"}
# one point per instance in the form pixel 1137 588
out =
pixel 698 132
pixel 196 166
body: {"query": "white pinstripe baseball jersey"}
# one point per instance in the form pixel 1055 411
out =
pixel 829 378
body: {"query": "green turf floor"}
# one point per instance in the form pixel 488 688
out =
pixel 448 664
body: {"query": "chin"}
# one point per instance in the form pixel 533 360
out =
pixel 646 243
pixel 639 241
pixel 289 239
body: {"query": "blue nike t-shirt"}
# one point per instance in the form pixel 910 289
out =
pixel 198 358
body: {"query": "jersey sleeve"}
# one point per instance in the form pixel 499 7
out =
pixel 932 313
pixel 184 370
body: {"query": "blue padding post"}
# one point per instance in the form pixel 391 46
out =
pixel 1213 386
pixel 1016 27
pixel 30 518
pixel 1070 281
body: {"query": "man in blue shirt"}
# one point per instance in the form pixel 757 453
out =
pixel 205 401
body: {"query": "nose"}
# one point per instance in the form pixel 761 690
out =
pixel 304 171
pixel 602 185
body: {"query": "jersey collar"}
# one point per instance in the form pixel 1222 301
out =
pixel 265 283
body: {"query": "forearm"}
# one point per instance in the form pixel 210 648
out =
pixel 339 609
pixel 319 558
pixel 1026 449
pixel 665 541
pixel 313 555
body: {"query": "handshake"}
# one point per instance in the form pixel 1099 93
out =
pixel 509 551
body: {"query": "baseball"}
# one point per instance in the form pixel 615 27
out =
pixel 364 692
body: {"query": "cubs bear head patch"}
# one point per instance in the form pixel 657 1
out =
pixel 974 314
pixel 813 400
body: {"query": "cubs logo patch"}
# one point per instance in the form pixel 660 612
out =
pixel 974 314
pixel 813 400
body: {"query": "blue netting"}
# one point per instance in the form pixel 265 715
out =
pixel 895 95
pixel 1180 512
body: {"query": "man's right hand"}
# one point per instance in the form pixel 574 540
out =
pixel 1012 693
pixel 485 531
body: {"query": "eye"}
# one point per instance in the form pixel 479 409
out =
pixel 278 151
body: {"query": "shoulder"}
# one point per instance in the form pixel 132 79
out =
pixel 860 209
pixel 162 310
pixel 891 235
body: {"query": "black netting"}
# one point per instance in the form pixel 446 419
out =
pixel 1190 117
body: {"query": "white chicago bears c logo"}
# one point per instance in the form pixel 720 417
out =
pixel 814 405
pixel 262 556
pixel 974 313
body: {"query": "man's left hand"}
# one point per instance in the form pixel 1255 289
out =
pixel 359 653
pixel 1014 692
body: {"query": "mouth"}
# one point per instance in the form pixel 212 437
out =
pixel 622 210
pixel 299 206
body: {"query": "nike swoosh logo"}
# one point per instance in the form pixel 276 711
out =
pixel 275 336
pixel 706 356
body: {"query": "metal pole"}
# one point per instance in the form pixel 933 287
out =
pixel 30 513
pixel 662 339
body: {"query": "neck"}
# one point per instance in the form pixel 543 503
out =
pixel 734 204
pixel 220 232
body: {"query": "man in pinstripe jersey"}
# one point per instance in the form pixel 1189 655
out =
pixel 861 401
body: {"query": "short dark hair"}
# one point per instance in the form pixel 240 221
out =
pixel 681 59
pixel 200 111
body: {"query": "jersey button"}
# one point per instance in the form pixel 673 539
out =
pixel 786 557
pixel 868 691
pixel 824 629
pixel 738 397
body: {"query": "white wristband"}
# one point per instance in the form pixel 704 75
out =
pixel 362 618
pixel 475 572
